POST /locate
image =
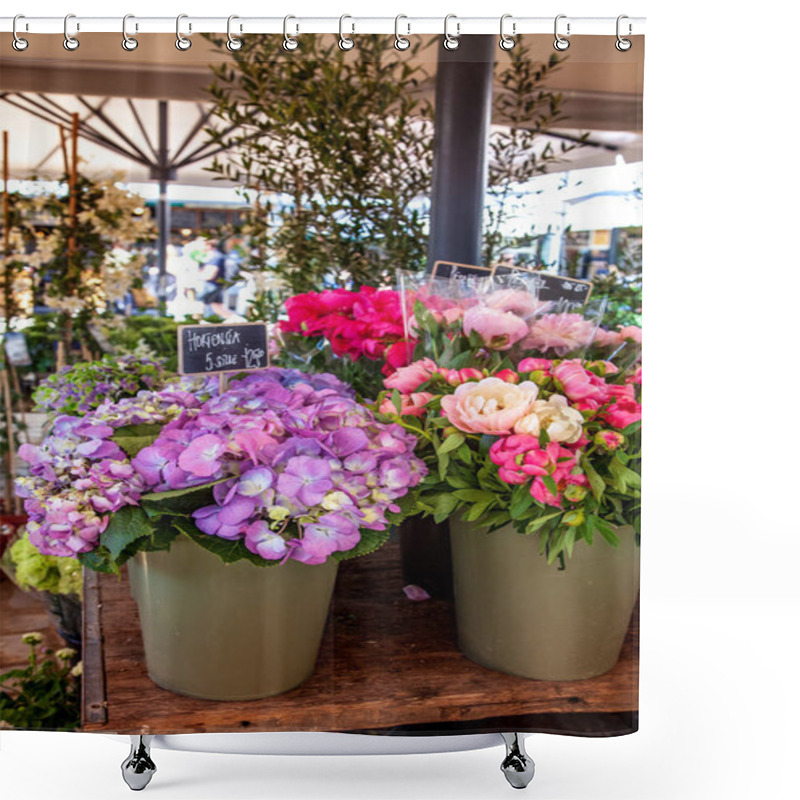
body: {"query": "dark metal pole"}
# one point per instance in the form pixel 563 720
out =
pixel 460 155
pixel 163 209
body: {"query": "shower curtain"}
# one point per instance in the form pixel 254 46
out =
pixel 398 491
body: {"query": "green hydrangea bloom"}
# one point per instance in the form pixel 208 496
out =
pixel 53 574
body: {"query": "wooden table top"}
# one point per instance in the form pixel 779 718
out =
pixel 387 665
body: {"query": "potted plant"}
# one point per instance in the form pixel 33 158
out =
pixel 233 511
pixel 58 581
pixel 536 466
pixel 44 695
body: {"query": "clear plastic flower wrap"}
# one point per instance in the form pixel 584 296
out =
pixel 480 321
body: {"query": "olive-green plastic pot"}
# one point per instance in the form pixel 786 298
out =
pixel 229 631
pixel 519 615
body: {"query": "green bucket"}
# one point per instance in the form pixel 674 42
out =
pixel 519 615
pixel 229 631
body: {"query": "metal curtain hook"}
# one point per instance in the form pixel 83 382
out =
pixel 560 43
pixel 128 42
pixel 400 42
pixel 70 42
pixel 450 41
pixel 233 44
pixel 289 43
pixel 623 45
pixel 506 42
pixel 345 43
pixel 18 43
pixel 181 42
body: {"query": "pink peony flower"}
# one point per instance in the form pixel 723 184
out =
pixel 581 385
pixel 489 406
pixel 632 332
pixel 410 405
pixel 606 339
pixel 499 330
pixel 561 333
pixel 406 379
pixel 398 355
pixel 635 377
pixel 516 301
pixel 622 412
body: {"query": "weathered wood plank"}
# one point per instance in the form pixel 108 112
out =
pixel 385 663
pixel 93 685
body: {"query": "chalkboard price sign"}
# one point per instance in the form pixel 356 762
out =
pixel 206 349
pixel 452 269
pixel 565 294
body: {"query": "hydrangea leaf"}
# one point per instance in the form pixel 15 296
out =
pixel 369 543
pixel 227 550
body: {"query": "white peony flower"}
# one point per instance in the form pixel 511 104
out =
pixel 562 423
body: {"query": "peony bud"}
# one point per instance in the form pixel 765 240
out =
pixel 573 518
pixel 508 375
pixel 610 440
pixel 470 374
pixel 574 493
pixel 539 377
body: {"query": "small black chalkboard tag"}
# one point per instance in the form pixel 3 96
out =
pixel 565 293
pixel 208 349
pixel 452 269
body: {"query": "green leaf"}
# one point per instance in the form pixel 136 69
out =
pixel 520 502
pixel 125 527
pixel 475 511
pixel 397 401
pixel 588 531
pixel 495 519
pixel 595 481
pixel 624 477
pixel 632 428
pixel 453 441
pixel 550 484
pixel 607 532
pixel 475 495
pixel 370 541
pixel 443 506
pixel 134 438
pixel 535 524
pixel 458 482
pixel 180 502
pixel 555 545
pixel 228 551
pixel 444 463
pixel 99 560
pixel 569 541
